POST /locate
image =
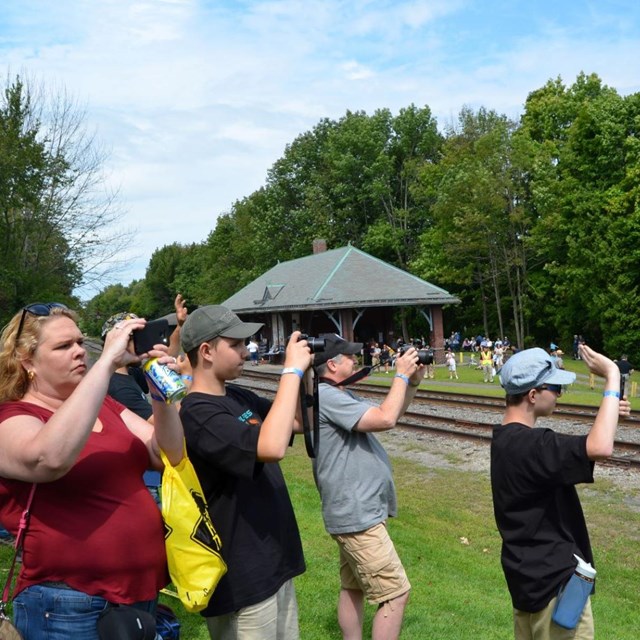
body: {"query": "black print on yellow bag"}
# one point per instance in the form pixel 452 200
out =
pixel 192 543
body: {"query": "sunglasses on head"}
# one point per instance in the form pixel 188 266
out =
pixel 555 388
pixel 38 309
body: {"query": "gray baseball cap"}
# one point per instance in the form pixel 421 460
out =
pixel 529 369
pixel 213 321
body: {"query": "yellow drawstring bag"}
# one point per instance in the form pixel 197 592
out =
pixel 192 543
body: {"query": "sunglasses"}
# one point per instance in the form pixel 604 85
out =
pixel 38 309
pixel 554 388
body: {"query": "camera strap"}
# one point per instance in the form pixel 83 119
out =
pixel 311 439
pixel 312 436
pixel 352 379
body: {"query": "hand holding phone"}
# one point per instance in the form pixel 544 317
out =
pixel 154 332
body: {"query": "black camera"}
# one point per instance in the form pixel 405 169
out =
pixel 315 344
pixel 425 356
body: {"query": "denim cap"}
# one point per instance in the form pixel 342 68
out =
pixel 334 346
pixel 213 321
pixel 529 369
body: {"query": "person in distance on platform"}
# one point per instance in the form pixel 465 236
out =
pixel 533 478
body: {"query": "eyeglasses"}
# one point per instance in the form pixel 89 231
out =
pixel 38 309
pixel 554 388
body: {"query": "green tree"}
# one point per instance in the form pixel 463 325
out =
pixel 476 243
pixel 349 180
pixel 54 212
pixel 156 297
pixel 114 298
pixel 35 258
pixel 413 141
pixel 584 194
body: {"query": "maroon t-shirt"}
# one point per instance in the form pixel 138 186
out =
pixel 97 528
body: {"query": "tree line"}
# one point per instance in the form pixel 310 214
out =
pixel 532 224
pixel 56 216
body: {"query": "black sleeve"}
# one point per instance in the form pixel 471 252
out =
pixel 137 374
pixel 130 395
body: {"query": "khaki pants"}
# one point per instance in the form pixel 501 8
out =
pixel 539 626
pixel 275 618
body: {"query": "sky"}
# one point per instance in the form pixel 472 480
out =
pixel 194 100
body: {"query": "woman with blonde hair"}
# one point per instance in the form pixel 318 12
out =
pixel 95 536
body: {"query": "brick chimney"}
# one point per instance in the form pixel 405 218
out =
pixel 319 245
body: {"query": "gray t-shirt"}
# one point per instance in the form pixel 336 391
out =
pixel 352 469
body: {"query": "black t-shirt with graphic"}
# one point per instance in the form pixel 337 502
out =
pixel 247 499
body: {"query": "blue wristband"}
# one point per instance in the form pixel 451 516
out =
pixel 402 377
pixel 298 372
pixel 186 377
pixel 613 394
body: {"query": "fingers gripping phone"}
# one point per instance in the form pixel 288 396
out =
pixel 154 332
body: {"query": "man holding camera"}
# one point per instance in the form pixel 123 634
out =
pixel 354 478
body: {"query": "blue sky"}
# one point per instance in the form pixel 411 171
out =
pixel 196 99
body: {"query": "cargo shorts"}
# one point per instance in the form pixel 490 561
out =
pixel 370 563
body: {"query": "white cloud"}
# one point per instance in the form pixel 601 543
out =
pixel 198 98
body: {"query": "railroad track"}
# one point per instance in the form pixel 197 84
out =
pixel 626 453
pixel 463 400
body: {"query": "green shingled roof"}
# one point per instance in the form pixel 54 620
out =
pixel 339 278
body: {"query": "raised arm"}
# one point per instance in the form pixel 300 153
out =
pixel 602 434
pixel 34 451
pixel 276 430
pixel 181 315
pixel 403 389
pixel 165 430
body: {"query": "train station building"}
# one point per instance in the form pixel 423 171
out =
pixel 344 291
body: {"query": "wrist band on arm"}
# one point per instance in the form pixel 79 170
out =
pixel 298 372
pixel 613 394
pixel 402 377
pixel 186 377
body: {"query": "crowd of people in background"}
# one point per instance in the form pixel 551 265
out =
pixel 480 352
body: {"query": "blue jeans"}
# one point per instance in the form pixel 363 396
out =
pixel 57 613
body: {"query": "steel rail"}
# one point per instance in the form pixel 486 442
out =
pixel 453 427
pixel 563 411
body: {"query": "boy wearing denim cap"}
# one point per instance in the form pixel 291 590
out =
pixel 533 478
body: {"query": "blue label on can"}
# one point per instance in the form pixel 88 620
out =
pixel 168 383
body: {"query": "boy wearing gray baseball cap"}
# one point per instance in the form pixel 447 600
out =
pixel 235 440
pixel 533 478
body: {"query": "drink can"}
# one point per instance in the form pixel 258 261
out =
pixel 165 380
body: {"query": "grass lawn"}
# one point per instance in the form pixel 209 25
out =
pixel 446 536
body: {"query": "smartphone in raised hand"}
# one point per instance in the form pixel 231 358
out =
pixel 154 332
